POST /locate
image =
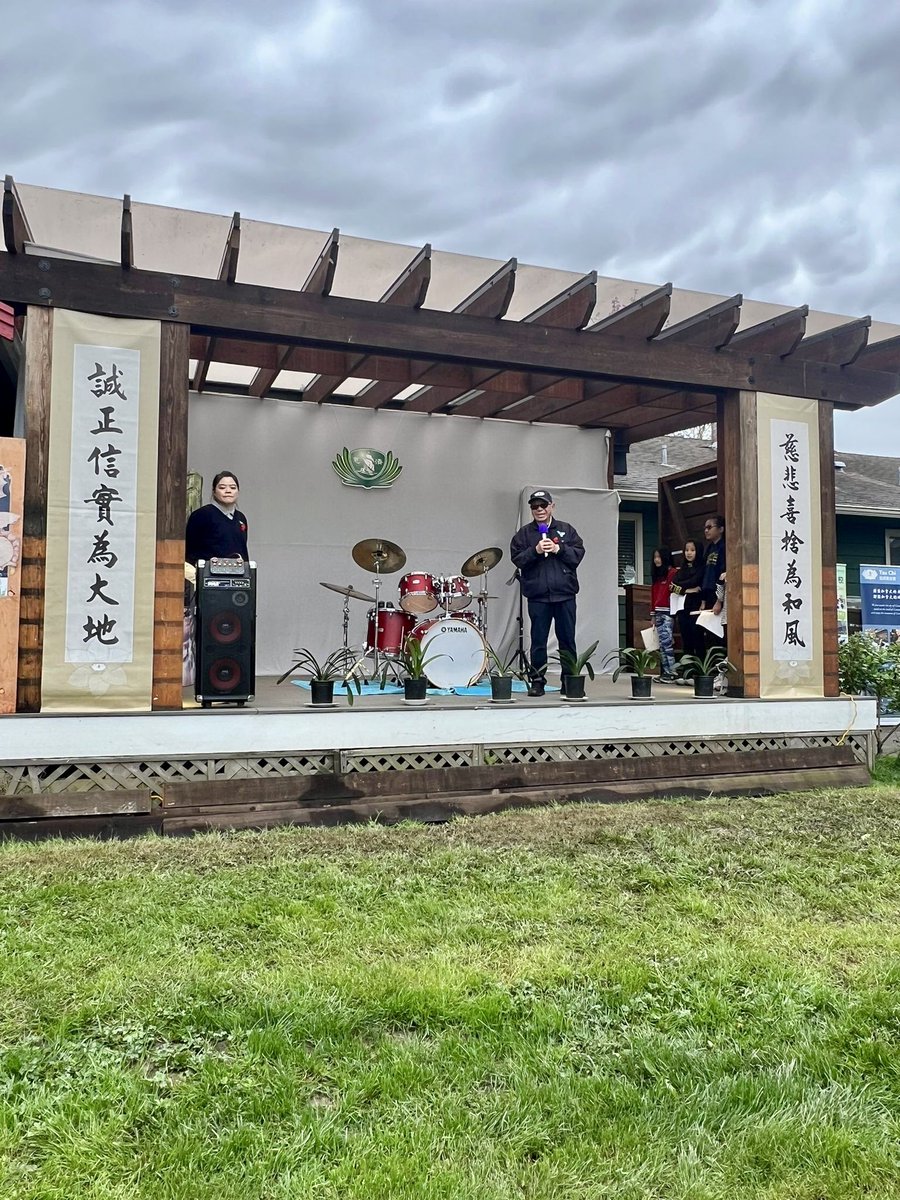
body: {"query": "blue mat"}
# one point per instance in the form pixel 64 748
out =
pixel 393 689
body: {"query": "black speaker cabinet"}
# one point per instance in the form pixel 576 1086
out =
pixel 226 631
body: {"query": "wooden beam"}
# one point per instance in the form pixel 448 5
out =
pixel 317 283
pixel 228 274
pixel 840 346
pixel 38 361
pixel 543 404
pixel 881 356
pixel 16 230
pixel 171 485
pixel 408 290
pixel 712 328
pixel 126 240
pixel 569 309
pixel 244 310
pixel 643 431
pixel 490 299
pixel 642 319
pixel 781 335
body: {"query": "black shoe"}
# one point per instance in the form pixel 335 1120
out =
pixel 536 688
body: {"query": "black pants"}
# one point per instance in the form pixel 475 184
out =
pixel 692 639
pixel 541 615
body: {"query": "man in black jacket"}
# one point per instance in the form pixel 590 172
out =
pixel 546 553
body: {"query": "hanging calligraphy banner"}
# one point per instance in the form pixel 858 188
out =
pixel 101 514
pixel 790 548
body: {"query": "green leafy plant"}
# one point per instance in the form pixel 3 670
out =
pixel 713 661
pixel 867 667
pixel 577 664
pixel 639 661
pixel 411 658
pixel 340 665
pixel 503 669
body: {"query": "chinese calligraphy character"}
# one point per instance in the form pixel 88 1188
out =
pixel 101 630
pixel 97 592
pixel 790 479
pixel 102 551
pixel 792 575
pixel 791 511
pixel 790 448
pixel 106 425
pixel 792 634
pixel 104 497
pixel 107 384
pixel 109 455
pixel 791 542
pixel 790 602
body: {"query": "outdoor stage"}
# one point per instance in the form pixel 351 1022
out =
pixel 281 761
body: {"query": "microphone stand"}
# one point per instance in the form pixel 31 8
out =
pixel 522 661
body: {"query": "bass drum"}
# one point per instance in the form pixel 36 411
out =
pixel 393 626
pixel 456 650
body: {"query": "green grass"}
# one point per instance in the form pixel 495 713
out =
pixel 673 999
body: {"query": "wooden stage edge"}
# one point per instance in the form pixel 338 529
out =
pixel 184 772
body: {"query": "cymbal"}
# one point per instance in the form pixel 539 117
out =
pixel 347 591
pixel 481 562
pixel 379 555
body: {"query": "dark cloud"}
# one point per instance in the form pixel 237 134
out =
pixel 738 145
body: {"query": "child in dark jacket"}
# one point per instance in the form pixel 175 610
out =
pixel 661 575
pixel 687 583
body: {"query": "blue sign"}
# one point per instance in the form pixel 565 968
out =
pixel 879 589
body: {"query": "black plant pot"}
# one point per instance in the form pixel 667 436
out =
pixel 322 691
pixel 703 686
pixel 501 688
pixel 573 687
pixel 414 690
pixel 641 687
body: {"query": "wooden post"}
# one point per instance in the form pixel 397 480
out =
pixel 830 670
pixel 168 609
pixel 739 503
pixel 38 343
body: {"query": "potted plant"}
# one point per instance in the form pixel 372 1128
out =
pixel 412 660
pixel 642 663
pixel 502 675
pixel 574 667
pixel 704 668
pixel 340 664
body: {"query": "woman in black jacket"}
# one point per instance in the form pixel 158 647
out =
pixel 687 581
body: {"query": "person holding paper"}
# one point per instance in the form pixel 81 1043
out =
pixel 546 553
pixel 662 574
pixel 685 602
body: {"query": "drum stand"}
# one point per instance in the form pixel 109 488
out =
pixel 482 601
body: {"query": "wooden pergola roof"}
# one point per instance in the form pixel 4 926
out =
pixel 562 363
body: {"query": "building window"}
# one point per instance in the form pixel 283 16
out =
pixel 631 548
pixel 892 547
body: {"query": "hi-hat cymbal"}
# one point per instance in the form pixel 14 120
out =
pixel 379 555
pixel 481 562
pixel 347 591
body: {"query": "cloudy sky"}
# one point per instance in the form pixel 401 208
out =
pixel 728 145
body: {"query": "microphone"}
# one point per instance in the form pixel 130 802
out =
pixel 542 530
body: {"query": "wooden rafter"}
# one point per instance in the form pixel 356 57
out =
pixel 840 346
pixel 712 328
pixel 243 311
pixel 127 235
pixel 318 283
pixel 227 273
pixel 881 356
pixel 16 230
pixel 408 290
pixel 490 299
pixel 781 335
pixel 696 415
pixel 644 318
pixel 551 401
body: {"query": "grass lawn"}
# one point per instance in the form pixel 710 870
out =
pixel 672 999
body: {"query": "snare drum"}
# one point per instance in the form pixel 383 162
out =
pixel 453 592
pixel 417 593
pixel 393 626
pixel 456 650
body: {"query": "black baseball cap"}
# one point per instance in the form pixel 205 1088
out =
pixel 539 499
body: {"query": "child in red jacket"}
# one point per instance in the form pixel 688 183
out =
pixel 661 576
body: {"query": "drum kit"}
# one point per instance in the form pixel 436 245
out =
pixel 434 609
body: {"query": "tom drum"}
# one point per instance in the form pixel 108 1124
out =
pixel 417 592
pixel 393 626
pixel 453 592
